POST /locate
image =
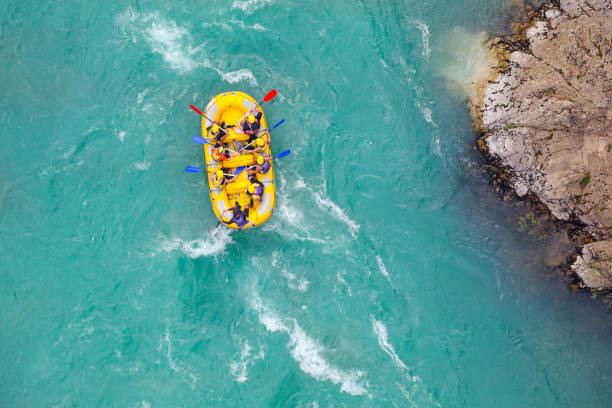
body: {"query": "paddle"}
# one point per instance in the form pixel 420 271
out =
pixel 282 154
pixel 278 156
pixel 201 140
pixel 196 109
pixel 239 170
pixel 225 174
pixel 265 130
pixel 192 169
pixel 200 112
pixel 277 125
pixel 269 96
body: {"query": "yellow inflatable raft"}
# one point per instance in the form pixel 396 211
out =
pixel 230 107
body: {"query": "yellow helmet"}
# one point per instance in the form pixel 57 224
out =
pixel 260 142
pixel 251 119
pixel 215 128
pixel 219 173
pixel 260 160
pixel 251 189
pixel 221 149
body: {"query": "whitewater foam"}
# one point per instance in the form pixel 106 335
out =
pixel 142 165
pixel 255 27
pixel 214 244
pixel 380 330
pixel 418 390
pixel 326 203
pixel 424 37
pixel 343 282
pixel 68 153
pixel 382 268
pixel 174 44
pixel 427 115
pixel 167 39
pixel 237 76
pixel 293 227
pixel 308 353
pixel 224 26
pixel 250 6
pixel 239 368
pixel 183 373
pixel 295 283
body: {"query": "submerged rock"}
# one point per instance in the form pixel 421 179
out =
pixel 547 117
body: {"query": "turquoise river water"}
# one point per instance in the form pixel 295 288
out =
pixel 390 275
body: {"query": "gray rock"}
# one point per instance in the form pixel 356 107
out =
pixel 594 266
pixel 548 117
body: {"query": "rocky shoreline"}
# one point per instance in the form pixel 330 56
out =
pixel 544 113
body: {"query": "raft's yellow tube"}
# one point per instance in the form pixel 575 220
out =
pixel 230 107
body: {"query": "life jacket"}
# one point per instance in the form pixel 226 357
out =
pixel 220 134
pixel 259 189
pixel 252 139
pixel 217 156
pixel 239 218
pixel 252 128
pixel 217 183
pixel 265 167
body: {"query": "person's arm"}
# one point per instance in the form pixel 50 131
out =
pixel 238 126
pixel 238 130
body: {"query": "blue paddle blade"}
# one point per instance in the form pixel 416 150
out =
pixel 278 124
pixel 239 170
pixel 191 169
pixel 283 154
pixel 198 139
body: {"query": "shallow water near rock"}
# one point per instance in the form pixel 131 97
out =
pixel 390 274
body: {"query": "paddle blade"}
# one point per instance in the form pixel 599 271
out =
pixel 199 140
pixel 239 170
pixel 271 95
pixel 196 109
pixel 278 124
pixel 283 154
pixel 191 169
